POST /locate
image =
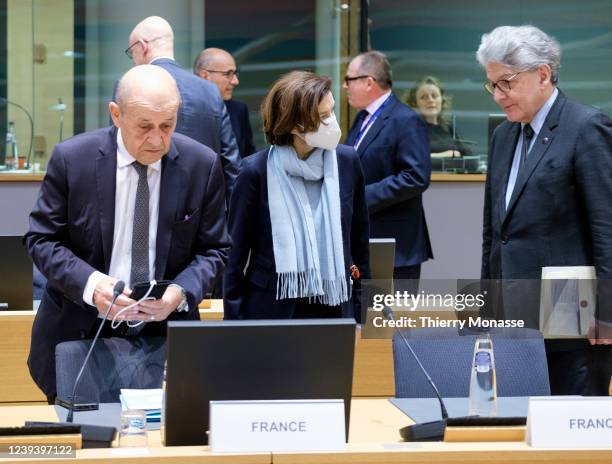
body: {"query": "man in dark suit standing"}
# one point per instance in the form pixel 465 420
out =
pixel 202 114
pixel 548 189
pixel 392 143
pixel 218 66
pixel 133 202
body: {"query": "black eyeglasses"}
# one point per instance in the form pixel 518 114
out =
pixel 348 79
pixel 128 51
pixel 227 74
pixel 503 84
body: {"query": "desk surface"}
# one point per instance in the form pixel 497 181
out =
pixel 373 438
pixel 435 177
pixel 372 371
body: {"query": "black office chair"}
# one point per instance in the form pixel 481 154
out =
pixel 520 363
pixel 115 363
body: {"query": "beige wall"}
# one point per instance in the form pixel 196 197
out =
pixel 37 86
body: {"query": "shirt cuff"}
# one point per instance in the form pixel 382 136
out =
pixel 92 282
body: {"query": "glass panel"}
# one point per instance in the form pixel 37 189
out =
pixel 63 57
pixel 440 39
pixel 39 80
pixel 269 40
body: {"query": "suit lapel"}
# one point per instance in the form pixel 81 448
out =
pixel 106 174
pixel 539 148
pixel 506 156
pixel 169 192
pixel 377 125
pixel 354 130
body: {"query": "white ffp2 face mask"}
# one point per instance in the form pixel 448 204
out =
pixel 326 136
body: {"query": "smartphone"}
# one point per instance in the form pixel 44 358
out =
pixel 140 289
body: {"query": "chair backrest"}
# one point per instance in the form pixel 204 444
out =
pixel 520 363
pixel 115 363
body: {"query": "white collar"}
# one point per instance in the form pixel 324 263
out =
pixel 372 107
pixel 125 159
pixel 157 58
pixel 538 120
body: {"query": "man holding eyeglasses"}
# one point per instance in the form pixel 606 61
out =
pixel 218 66
pixel 392 143
pixel 202 114
pixel 548 192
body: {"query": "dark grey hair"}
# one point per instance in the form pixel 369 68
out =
pixel 377 65
pixel 203 60
pixel 521 48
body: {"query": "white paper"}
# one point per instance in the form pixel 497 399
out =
pixel 145 399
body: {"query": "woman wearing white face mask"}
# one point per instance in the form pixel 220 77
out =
pixel 298 216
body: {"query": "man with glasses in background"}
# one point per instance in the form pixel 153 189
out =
pixel 218 66
pixel 548 192
pixel 202 114
pixel 392 143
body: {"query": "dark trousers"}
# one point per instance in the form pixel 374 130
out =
pixel 581 371
pixel 308 310
pixel 409 277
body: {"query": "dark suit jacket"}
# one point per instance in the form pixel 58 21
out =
pixel 559 213
pixel 397 167
pixel 252 294
pixel 239 116
pixel 71 234
pixel 203 117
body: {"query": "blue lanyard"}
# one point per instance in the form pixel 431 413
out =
pixel 365 128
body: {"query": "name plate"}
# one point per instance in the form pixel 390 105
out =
pixel 280 425
pixel 569 422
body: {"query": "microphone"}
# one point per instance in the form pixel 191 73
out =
pixel 427 431
pixel 8 102
pixel 117 290
pixel 61 107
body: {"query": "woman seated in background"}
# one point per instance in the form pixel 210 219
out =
pixel 297 215
pixel 428 99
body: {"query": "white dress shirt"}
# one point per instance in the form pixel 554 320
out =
pixel 126 183
pixel 536 124
pixel 371 109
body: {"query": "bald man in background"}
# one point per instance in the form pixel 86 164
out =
pixel 91 227
pixel 218 66
pixel 202 114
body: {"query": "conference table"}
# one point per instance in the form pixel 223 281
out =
pixel 373 438
pixel 372 370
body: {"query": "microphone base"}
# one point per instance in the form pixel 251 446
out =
pixel 94 436
pixel 77 407
pixel 427 431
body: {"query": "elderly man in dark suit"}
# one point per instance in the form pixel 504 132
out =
pixel 202 114
pixel 393 146
pixel 218 66
pixel 133 202
pixel 548 189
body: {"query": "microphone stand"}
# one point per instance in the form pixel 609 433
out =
pixel 61 107
pixel 117 290
pixel 8 102
pixel 426 431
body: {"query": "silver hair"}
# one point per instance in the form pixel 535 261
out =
pixel 521 48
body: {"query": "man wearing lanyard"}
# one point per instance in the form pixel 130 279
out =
pixel 392 142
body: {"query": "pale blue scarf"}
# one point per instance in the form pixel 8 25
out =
pixel 308 250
